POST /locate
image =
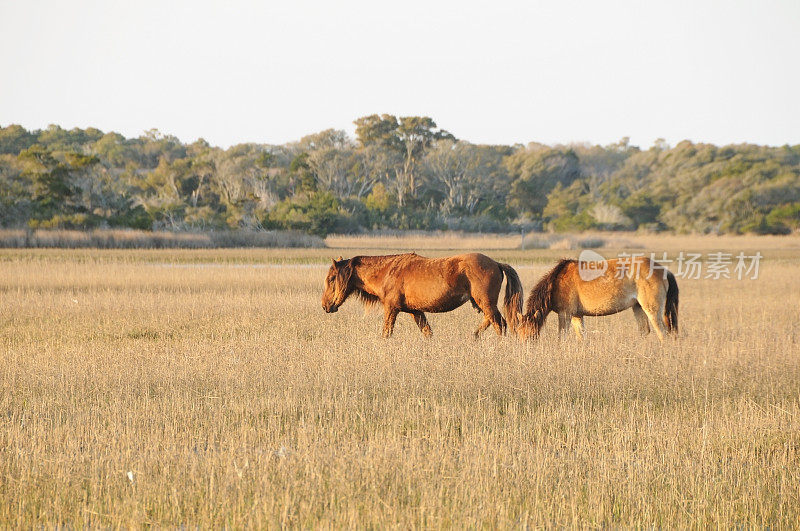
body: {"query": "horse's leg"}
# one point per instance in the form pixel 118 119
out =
pixel 475 305
pixel 656 317
pixel 577 325
pixel 483 326
pixel 498 322
pixel 562 324
pixel 389 317
pixel 652 296
pixel 654 308
pixel 492 317
pixel 487 302
pixel 641 318
pixel 422 323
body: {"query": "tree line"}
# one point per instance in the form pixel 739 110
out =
pixel 398 173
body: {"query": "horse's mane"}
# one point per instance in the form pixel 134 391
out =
pixel 540 301
pixel 367 299
pixel 381 257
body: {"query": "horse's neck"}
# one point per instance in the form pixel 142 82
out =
pixel 367 276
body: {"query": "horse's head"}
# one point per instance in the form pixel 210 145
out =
pixel 530 325
pixel 541 301
pixel 337 285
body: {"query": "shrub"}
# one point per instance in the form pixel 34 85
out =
pixel 317 213
pixel 787 216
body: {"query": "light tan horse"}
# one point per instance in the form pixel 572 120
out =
pixel 576 289
pixel 414 284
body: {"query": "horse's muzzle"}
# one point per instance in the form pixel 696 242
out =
pixel 330 309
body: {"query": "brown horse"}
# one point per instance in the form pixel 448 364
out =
pixel 575 289
pixel 414 284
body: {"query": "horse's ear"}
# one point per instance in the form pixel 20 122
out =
pixel 344 273
pixel 333 262
pixel 340 258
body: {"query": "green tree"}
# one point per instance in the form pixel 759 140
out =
pixel 61 189
pixel 302 173
pixel 467 179
pixel 567 208
pixel 313 212
pixel 641 208
pixel 408 138
pixel 14 139
pixel 536 171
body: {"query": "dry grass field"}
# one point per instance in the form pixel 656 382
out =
pixel 208 388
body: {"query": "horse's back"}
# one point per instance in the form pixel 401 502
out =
pixel 469 264
pixel 477 263
pixel 618 288
pixel 604 290
pixel 443 284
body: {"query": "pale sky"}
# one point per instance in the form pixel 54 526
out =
pixel 489 72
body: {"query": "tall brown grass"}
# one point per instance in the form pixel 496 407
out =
pixel 134 392
pixel 423 240
pixel 138 239
pixel 447 240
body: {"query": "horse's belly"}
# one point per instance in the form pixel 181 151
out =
pixel 434 301
pixel 447 306
pixel 606 305
pixel 600 311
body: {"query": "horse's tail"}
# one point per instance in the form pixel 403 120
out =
pixel 513 298
pixel 671 309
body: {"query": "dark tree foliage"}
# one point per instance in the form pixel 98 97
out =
pixel 399 172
